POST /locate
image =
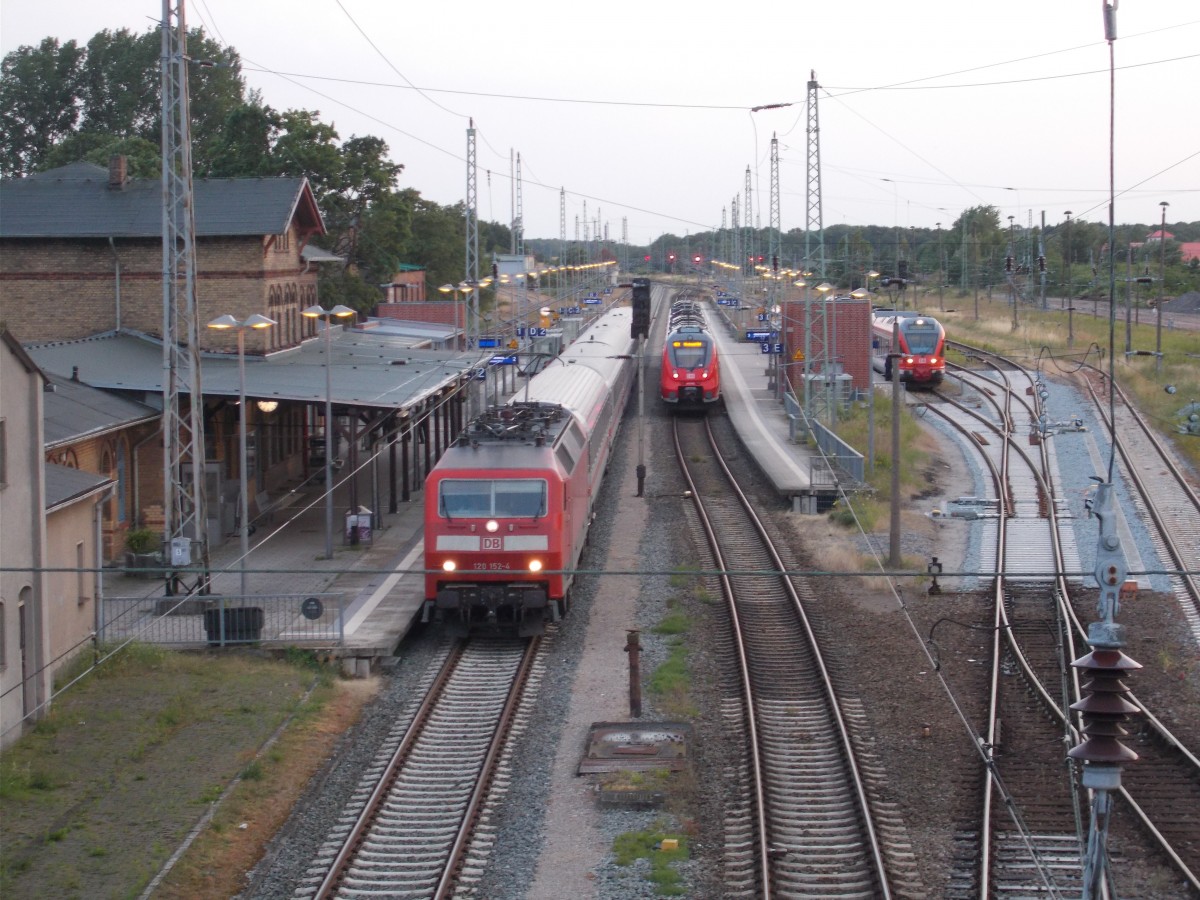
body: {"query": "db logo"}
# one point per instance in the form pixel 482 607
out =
pixel 492 543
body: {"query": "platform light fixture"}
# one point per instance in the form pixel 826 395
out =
pixel 319 312
pixel 254 322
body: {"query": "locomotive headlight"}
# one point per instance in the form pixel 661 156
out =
pixel 492 526
pixel 675 374
pixel 449 566
pixel 535 565
pixel 933 361
pixel 908 360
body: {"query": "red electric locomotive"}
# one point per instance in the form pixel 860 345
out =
pixel 508 506
pixel 690 377
pixel 922 347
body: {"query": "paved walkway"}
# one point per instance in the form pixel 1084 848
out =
pixel 377 585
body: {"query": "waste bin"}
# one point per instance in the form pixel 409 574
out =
pixel 358 526
pixel 230 625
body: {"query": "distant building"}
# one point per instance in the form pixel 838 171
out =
pixel 407 285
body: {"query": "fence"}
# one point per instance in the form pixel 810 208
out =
pixel 222 621
pixel 841 455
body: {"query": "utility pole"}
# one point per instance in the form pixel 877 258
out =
pixel 1070 292
pixel 1162 288
pixel 894 560
pixel 812 196
pixel 185 525
pixel 941 272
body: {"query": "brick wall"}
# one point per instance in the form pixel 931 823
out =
pixel 437 312
pixel 850 335
pixel 67 289
pixel 406 287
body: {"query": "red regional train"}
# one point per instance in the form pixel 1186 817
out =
pixel 922 347
pixel 690 378
pixel 509 504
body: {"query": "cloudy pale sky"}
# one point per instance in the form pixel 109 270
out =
pixel 645 112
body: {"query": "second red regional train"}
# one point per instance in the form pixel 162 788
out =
pixel 922 351
pixel 509 504
pixel 691 376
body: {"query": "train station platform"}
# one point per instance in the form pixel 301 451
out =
pixel 761 418
pixel 375 588
pixel 371 590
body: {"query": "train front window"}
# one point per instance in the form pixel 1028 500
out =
pixel 689 354
pixel 922 339
pixel 481 498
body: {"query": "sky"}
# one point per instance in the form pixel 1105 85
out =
pixel 644 113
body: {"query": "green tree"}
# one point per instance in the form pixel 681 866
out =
pixel 39 103
pixel 143 157
pixel 112 88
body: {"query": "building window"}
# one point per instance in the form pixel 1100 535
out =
pixel 283 242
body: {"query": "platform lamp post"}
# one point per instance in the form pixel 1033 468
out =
pixel 319 312
pixel 1162 288
pixel 828 351
pixel 227 323
pixel 803 285
pixel 862 294
pixel 1070 293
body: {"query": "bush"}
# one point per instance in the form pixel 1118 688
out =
pixel 142 540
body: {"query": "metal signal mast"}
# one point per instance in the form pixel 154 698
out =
pixel 185 531
pixel 472 238
pixel 748 221
pixel 813 224
pixel 776 235
pixel 519 215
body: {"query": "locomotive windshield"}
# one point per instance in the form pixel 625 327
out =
pixel 922 335
pixel 483 498
pixel 689 353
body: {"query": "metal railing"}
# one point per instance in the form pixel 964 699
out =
pixel 220 621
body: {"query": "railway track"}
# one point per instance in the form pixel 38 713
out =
pixel 811 829
pixel 414 828
pixel 1169 499
pixel 1043 634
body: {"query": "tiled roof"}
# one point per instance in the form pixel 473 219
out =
pixel 75 201
pixel 73 411
pixel 64 485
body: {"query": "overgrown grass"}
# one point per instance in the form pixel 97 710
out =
pixel 673 623
pixel 669 683
pixel 1043 336
pixel 103 788
pixel 647 844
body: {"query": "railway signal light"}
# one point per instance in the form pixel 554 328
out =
pixel 903 264
pixel 1008 264
pixel 1041 264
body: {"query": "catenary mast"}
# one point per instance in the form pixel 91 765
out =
pixel 185 530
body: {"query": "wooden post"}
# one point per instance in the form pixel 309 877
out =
pixel 634 649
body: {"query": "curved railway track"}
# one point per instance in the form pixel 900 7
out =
pixel 413 831
pixel 1169 499
pixel 1042 634
pixel 813 832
